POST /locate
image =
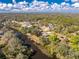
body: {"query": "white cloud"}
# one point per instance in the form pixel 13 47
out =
pixel 55 6
pixel 71 0
pixel 64 4
pixel 74 0
pixel 41 5
pixel 14 1
pixel 38 6
pixel 20 5
pixel 9 5
pixel 75 5
pixel 3 6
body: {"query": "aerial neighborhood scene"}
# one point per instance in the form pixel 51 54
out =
pixel 39 29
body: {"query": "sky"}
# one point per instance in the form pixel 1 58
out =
pixel 39 6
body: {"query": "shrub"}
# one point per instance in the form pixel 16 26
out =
pixel 14 48
pixel 53 38
pixel 74 40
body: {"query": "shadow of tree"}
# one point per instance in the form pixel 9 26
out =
pixel 2 56
pixel 39 54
